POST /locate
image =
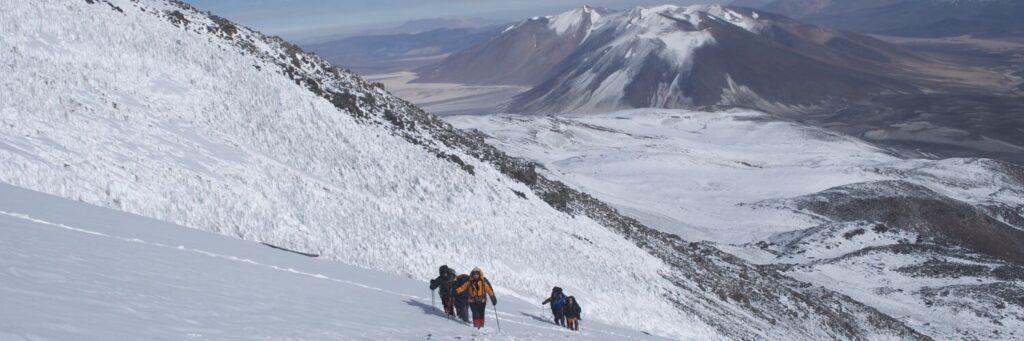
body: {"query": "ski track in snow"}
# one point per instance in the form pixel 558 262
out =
pixel 518 318
pixel 204 252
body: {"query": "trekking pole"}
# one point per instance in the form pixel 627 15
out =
pixel 497 321
pixel 432 303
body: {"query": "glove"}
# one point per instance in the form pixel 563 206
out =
pixel 494 300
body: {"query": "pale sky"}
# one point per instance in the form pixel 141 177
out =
pixel 297 19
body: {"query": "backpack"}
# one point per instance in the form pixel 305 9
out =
pixel 479 290
pixel 461 279
pixel 559 301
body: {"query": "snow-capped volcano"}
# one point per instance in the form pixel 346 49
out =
pixel 522 54
pixel 584 19
pixel 635 58
pixel 680 56
pixel 157 109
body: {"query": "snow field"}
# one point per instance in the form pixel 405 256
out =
pixel 715 176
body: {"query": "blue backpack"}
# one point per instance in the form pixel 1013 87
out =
pixel 559 301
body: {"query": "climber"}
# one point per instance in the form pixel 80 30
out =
pixel 557 300
pixel 443 283
pixel 479 288
pixel 572 311
pixel 461 300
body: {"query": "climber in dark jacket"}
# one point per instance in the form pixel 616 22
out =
pixel 444 283
pixel 557 300
pixel 461 300
pixel 572 312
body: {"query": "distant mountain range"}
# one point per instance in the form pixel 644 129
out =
pixel 430 24
pixel 369 54
pixel 597 60
pixel 592 59
pixel 919 18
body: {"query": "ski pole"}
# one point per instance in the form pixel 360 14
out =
pixel 432 303
pixel 497 321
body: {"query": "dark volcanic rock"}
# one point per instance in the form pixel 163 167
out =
pixel 904 205
pixel 940 268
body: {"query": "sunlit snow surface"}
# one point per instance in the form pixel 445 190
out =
pixel 72 271
pixel 121 108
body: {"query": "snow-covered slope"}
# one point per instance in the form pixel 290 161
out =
pixel 154 108
pixel 832 210
pixel 73 271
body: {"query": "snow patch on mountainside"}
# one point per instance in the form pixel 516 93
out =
pixel 747 22
pixel 660 24
pixel 574 19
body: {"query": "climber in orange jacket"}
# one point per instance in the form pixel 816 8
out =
pixel 479 289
